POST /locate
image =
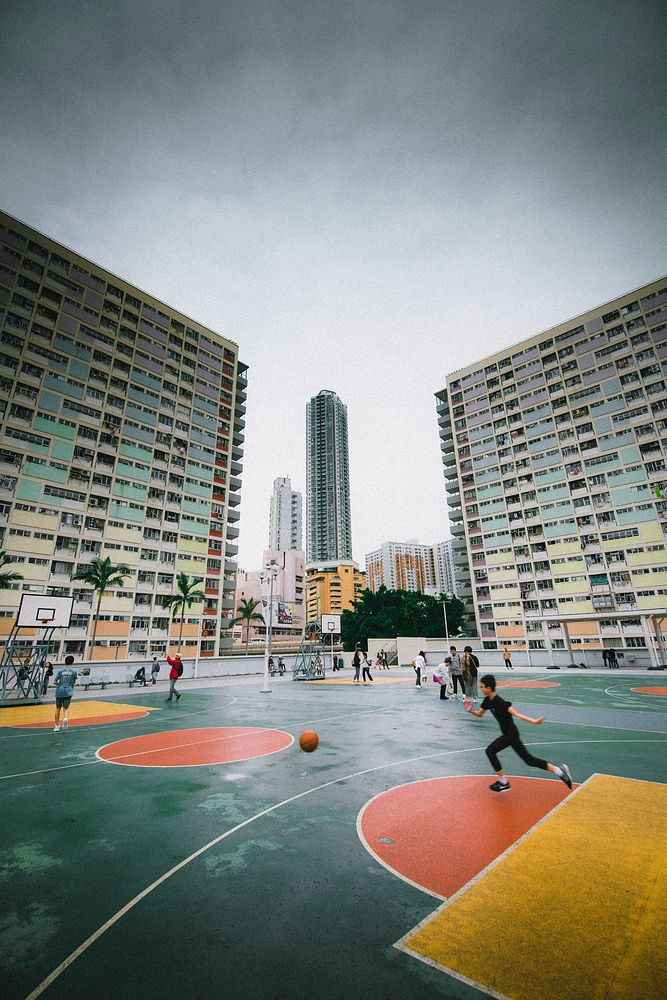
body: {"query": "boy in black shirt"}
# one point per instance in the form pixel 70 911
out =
pixel 504 714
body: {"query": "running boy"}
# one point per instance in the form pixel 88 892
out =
pixel 505 715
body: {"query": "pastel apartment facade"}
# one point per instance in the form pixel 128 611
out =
pixel 554 463
pixel 121 435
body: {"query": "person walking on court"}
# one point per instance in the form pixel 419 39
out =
pixel 507 658
pixel 176 665
pixel 504 715
pixel 65 680
pixel 155 670
pixel 419 665
pixel 455 673
pixel 366 669
pixel 356 663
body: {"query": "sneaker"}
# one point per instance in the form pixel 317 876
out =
pixel 499 786
pixel 565 776
pixel 56 729
pixel 178 697
pixel 65 723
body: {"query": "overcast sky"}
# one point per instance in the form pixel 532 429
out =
pixel 364 196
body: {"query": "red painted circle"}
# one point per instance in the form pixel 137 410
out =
pixel 527 684
pixel 441 832
pixel 661 691
pixel 91 720
pixel 193 747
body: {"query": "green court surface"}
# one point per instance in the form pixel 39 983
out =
pixel 195 851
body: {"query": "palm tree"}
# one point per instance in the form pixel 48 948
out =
pixel 247 615
pixel 185 596
pixel 101 574
pixel 6 576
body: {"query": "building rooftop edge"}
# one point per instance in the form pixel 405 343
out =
pixel 118 277
pixel 465 369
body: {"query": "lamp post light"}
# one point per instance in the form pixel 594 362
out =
pixel 445 600
pixel 269 574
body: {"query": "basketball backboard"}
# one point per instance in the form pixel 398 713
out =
pixel 330 624
pixel 42 611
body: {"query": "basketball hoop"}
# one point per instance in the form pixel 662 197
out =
pixel 46 621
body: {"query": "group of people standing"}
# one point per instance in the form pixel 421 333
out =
pixel 361 662
pixel 456 672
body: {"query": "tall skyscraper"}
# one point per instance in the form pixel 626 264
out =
pixel 285 516
pixel 555 465
pixel 121 424
pixel 329 536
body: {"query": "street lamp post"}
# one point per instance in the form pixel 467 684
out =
pixel 269 573
pixel 445 599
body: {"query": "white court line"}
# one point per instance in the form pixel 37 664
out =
pixel 96 935
pixel 150 715
pixel 196 743
pixel 98 760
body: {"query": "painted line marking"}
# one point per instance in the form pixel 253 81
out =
pixel 96 935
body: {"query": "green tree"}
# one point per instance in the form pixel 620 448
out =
pixel 7 576
pixel 247 614
pixel 101 574
pixel 186 595
pixel 386 614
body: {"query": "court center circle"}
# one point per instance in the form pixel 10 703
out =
pixel 195 747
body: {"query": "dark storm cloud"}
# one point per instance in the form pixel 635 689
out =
pixel 365 195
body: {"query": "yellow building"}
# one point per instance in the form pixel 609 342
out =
pixel 331 588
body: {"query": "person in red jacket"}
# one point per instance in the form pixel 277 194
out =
pixel 176 665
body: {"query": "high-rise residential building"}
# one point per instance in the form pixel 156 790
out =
pixel 332 588
pixel 122 436
pixel 401 566
pixel 554 461
pixel 285 516
pixel 443 566
pixel 329 533
pixel 411 566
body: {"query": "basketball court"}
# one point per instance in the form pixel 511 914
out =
pixel 191 849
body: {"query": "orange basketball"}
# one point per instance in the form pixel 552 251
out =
pixel 308 741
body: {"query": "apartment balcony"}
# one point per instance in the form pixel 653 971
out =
pixel 232 532
pixel 233 516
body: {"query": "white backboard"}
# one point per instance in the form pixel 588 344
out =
pixel 42 611
pixel 330 624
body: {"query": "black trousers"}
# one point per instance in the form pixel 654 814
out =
pixel 418 682
pixel 513 741
pixel 457 679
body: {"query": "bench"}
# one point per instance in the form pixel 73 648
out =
pixel 85 682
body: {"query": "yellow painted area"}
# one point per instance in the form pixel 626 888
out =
pixel 650 531
pixel 29 715
pixel 575 912
pixel 657 558
pixel 574 607
pixel 576 586
pixel 502 575
pixel 48 522
pixel 562 548
pixel 656 601
pixel 129 558
pixel 122 535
